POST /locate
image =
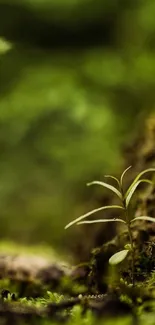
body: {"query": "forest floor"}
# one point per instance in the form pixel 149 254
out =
pixel 37 287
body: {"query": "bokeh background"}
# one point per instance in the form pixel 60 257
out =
pixel 77 80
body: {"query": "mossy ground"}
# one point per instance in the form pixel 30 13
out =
pixel 28 300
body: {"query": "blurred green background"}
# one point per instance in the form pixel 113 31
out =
pixel 77 79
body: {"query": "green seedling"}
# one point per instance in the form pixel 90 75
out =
pixel 125 199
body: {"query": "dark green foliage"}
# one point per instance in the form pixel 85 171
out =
pixel 77 76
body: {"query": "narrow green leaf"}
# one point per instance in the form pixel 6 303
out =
pixel 130 193
pixel 101 220
pixel 114 178
pixel 122 176
pixel 110 187
pixel 92 212
pixel 143 218
pixel 138 177
pixel 118 257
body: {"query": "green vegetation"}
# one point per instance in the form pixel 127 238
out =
pixel 77 100
pixel 75 75
pixel 125 198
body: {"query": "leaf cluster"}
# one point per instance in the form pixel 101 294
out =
pixel 125 199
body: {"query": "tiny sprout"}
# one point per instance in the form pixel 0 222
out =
pixel 125 199
pixel 128 247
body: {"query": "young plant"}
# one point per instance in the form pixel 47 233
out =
pixel 125 199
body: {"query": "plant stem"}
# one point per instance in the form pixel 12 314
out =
pixel 131 240
pixel 132 252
